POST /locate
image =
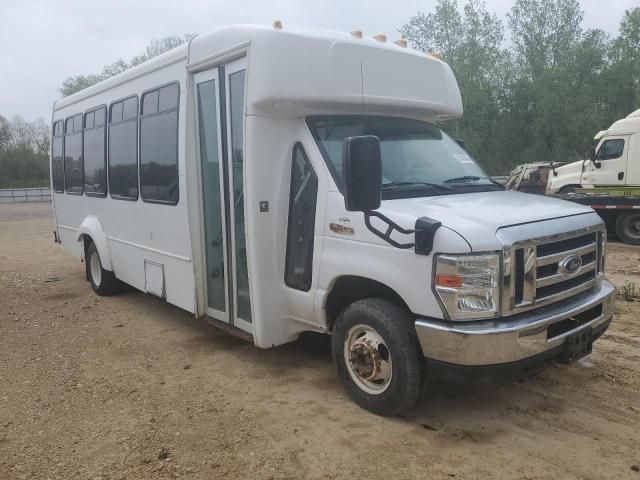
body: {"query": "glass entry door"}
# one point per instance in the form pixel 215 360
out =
pixel 220 96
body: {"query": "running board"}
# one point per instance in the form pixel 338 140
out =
pixel 230 329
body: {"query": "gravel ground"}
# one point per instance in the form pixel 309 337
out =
pixel 129 387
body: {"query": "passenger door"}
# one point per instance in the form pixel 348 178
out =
pixel 219 96
pixel 612 158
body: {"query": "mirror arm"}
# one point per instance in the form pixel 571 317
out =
pixel 424 231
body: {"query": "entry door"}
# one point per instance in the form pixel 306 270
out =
pixel 612 157
pixel 219 98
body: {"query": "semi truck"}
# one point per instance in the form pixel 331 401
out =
pixel 609 181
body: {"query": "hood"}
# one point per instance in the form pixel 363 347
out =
pixel 573 166
pixel 478 216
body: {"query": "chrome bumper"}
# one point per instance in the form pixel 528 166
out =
pixel 514 338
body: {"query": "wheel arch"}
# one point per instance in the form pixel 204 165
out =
pixel 91 231
pixel 347 289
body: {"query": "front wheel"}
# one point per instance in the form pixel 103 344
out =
pixel 628 227
pixel 377 355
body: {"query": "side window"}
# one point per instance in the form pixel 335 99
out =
pixel 302 217
pixel 73 168
pixel 611 149
pixel 95 153
pixel 159 145
pixel 57 159
pixel 123 149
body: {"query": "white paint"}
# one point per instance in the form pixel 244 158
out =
pixel 289 74
pixel 587 175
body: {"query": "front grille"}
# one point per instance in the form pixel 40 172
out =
pixel 543 271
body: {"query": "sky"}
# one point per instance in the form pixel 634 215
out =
pixel 42 42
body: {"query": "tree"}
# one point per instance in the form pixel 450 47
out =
pixel 623 74
pixel 544 94
pixel 75 83
pixel 471 42
pixel 24 153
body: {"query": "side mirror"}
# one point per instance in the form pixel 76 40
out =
pixel 362 173
pixel 592 155
pixel 460 142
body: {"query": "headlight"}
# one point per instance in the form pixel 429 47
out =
pixel 468 285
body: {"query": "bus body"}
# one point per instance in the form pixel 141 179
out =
pixel 214 177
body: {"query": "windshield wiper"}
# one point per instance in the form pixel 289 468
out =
pixel 474 178
pixel 416 185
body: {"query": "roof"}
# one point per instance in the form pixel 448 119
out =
pixel 299 71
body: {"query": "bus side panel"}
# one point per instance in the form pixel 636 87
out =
pixel 138 231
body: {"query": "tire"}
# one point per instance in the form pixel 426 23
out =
pixel 569 188
pixel 400 376
pixel 628 227
pixel 102 281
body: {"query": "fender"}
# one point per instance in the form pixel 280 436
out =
pixel 92 227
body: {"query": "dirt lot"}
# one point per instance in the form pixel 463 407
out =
pixel 129 387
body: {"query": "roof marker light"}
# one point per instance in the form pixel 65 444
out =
pixel 277 24
pixel 356 33
pixel 437 55
pixel 401 42
pixel 381 37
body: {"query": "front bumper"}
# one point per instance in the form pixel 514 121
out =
pixel 518 337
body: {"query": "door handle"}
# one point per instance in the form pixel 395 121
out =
pixel 620 175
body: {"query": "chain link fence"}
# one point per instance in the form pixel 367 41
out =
pixel 15 195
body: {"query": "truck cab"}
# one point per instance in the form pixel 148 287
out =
pixel 614 163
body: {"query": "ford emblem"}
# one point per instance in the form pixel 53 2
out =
pixel 571 264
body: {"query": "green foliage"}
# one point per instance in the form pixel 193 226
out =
pixel 544 94
pixel 24 153
pixel 75 83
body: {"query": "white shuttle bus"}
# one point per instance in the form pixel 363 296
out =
pixel 275 181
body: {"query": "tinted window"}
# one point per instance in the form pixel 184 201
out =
pixel 130 109
pixel 236 110
pixel 57 162
pixel 150 103
pixel 89 120
pixel 159 146
pixel 116 112
pixel 302 219
pixel 611 149
pixel 73 168
pixel 123 148
pixel 168 97
pixel 100 117
pixel 94 153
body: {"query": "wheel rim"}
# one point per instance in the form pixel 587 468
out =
pixel 368 359
pixel 631 226
pixel 96 269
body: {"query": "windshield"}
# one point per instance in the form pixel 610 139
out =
pixel 416 155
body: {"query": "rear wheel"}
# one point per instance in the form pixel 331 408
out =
pixel 102 281
pixel 377 355
pixel 628 228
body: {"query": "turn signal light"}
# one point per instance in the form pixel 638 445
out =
pixel 449 281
